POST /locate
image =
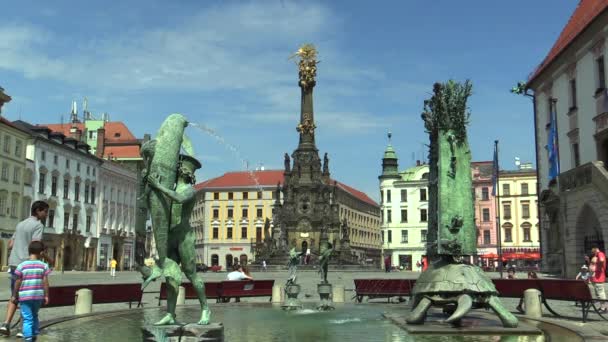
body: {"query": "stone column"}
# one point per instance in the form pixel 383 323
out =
pixel 532 303
pixel 84 302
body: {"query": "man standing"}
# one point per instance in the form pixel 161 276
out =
pixel 26 231
pixel 387 264
pixel 598 277
pixel 113 264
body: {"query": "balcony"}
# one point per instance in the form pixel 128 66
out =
pixel 592 173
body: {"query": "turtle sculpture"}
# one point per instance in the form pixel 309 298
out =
pixel 450 283
pixel 447 284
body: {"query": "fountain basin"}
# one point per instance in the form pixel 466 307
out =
pixel 266 322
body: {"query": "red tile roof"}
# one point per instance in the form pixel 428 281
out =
pixel 112 129
pixel 266 178
pixel 585 13
pixel 122 151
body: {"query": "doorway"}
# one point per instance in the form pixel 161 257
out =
pixel 67 255
pixel 229 262
pixel 215 260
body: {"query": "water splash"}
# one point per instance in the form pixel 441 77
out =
pixel 344 320
pixel 235 151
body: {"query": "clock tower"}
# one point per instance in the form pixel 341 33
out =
pixel 308 215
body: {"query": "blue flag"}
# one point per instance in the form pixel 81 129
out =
pixel 495 170
pixel 552 148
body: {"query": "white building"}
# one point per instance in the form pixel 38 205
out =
pixel 571 82
pixel 117 203
pixel 61 171
pixel 404 203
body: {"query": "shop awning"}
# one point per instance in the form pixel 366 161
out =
pixel 521 256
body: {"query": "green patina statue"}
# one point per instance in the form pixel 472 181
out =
pixel 324 255
pixel 450 283
pixel 170 198
pixel 292 264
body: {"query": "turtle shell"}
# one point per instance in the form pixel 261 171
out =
pixel 454 278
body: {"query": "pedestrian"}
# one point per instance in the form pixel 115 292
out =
pixel 264 265
pixel 387 264
pixel 26 231
pixel 31 289
pixel 425 263
pixel 418 266
pixel 598 276
pixel 583 274
pixel 113 264
pixel 307 258
pixel 511 273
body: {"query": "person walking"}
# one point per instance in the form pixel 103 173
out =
pixel 31 289
pixel 26 231
pixel 264 265
pixel 425 263
pixel 387 264
pixel 113 264
pixel 598 276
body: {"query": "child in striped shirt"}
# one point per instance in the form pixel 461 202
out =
pixel 31 289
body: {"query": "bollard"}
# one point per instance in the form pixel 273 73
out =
pixel 277 294
pixel 181 296
pixel 532 303
pixel 84 302
pixel 338 294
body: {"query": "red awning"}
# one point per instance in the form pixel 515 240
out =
pixel 521 256
pixel 489 256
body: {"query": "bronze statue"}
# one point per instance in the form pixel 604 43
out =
pixel 287 162
pixel 324 260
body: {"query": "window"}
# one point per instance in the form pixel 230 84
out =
pixel 423 235
pixel 53 185
pixel 381 196
pixel 78 167
pixel 423 215
pixel 388 196
pixel 601 73
pixel 17 175
pixel 403 195
pixel 230 195
pixel 260 195
pixel 243 232
pixel 388 216
pixel 508 236
pixel 216 233
pixel 524 188
pixel 15 204
pixel 506 210
pixel 76 191
pixel 229 233
pixel 88 170
pixel 485 194
pixel 94 172
pixel 88 227
pixel 423 194
pixel 66 188
pixel 86 193
pixel 41 182
pixel 7 144
pixel 486 214
pixel 216 213
pixel 390 236
pixel 486 237
pixel 230 213
pixel 525 210
pixel 404 236
pixel 67 164
pixel 576 155
pixel 66 221
pixel 506 190
pixel 245 213
pixel 51 218
pixel 55 159
pixel 245 195
pixel 93 193
pixel 259 213
pixel 216 195
pixel 526 229
pixel 573 93
pixel 18 144
pixel 5 172
pixel 403 215
pixel 3 202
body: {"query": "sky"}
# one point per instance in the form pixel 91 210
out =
pixel 224 65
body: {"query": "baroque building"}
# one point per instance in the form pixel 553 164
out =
pixel 570 102
pixel 484 203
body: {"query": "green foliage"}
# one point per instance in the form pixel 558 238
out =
pixel 447 109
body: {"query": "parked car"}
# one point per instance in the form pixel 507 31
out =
pixel 201 268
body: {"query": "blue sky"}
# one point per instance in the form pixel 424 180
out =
pixel 224 64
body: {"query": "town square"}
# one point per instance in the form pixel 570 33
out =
pixel 287 171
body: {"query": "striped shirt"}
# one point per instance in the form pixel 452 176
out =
pixel 32 273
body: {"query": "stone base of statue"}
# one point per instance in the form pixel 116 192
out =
pixel 183 333
pixel 325 290
pixel 291 298
pixel 456 288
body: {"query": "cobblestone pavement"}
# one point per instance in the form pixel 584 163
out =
pixel 307 279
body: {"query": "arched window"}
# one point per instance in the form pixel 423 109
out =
pixel 215 260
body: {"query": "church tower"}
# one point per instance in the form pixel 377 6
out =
pixel 308 216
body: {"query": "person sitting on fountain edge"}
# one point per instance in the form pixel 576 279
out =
pixel 238 274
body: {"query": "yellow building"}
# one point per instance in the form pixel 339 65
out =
pixel 519 217
pixel 12 170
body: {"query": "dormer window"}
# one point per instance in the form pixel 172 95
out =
pixel 117 135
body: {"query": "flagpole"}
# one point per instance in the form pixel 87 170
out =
pixel 497 203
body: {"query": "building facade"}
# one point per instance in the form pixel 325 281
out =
pixel 62 172
pixel 13 205
pixel 520 238
pixel 569 98
pixel 485 212
pixel 116 216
